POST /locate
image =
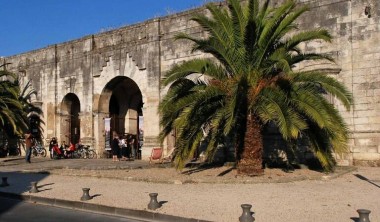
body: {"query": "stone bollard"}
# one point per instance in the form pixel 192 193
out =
pixel 34 188
pixel 4 182
pixel 363 215
pixel 246 216
pixel 153 204
pixel 86 194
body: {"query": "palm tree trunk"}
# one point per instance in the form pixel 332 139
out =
pixel 250 161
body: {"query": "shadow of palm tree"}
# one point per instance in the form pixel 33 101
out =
pixel 226 171
pixel 366 179
pixel 44 185
pixel 44 189
pixel 199 168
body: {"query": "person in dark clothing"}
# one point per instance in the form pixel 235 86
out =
pixel 115 147
pixel 28 145
pixel 71 149
pixel 53 142
pixel 131 145
pixel 128 145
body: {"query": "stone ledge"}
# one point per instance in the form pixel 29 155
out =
pixel 367 163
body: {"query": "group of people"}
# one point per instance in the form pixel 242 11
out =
pixel 63 151
pixel 123 148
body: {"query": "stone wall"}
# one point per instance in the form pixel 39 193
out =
pixel 145 51
pixel 356 51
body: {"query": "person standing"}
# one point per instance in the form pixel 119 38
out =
pixel 53 142
pixel 115 146
pixel 28 146
pixel 123 145
pixel 64 148
pixel 131 143
pixel 70 150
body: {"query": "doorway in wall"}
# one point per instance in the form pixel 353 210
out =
pixel 124 109
pixel 70 122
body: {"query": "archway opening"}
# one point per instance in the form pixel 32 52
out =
pixel 114 114
pixel 122 100
pixel 70 125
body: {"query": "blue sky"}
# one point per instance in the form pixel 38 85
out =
pixel 32 24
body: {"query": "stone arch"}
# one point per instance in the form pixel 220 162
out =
pixel 121 100
pixel 70 121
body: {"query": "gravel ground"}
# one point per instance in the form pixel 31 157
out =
pixel 303 195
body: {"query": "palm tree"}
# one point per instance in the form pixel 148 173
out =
pixel 250 81
pixel 15 106
pixel 29 111
pixel 10 105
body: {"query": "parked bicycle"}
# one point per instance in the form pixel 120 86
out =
pixel 38 150
pixel 84 152
pixel 6 150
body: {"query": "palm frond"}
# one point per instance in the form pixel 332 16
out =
pixel 305 36
pixel 327 83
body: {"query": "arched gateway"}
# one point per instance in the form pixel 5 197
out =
pixel 122 99
pixel 70 122
pixel 121 104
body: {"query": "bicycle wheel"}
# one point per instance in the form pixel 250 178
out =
pixel 34 152
pixel 43 152
pixel 76 154
pixel 82 154
pixel 91 154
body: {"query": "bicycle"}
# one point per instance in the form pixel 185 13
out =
pixel 38 150
pixel 85 152
pixel 89 153
pixel 6 150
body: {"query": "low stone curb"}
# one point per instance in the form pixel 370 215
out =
pixel 102 209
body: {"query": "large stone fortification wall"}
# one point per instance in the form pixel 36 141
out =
pixel 144 52
pixel 357 53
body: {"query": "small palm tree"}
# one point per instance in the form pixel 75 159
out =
pixel 250 81
pixel 31 111
pixel 15 106
pixel 10 105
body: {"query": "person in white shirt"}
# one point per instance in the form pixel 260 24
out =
pixel 123 146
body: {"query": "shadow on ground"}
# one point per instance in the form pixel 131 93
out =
pixel 19 183
pixel 195 167
pixel 366 179
pixel 199 167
